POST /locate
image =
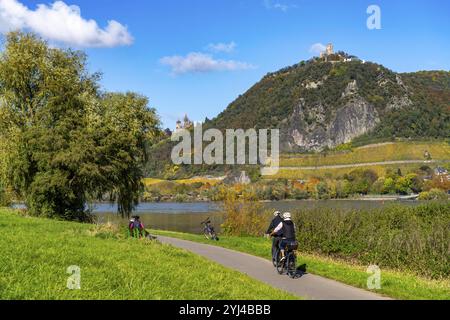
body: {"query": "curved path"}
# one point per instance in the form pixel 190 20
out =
pixel 307 286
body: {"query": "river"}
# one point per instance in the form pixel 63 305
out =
pixel 187 217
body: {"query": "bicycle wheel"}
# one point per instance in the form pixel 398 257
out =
pixel 281 264
pixel 207 235
pixel 277 258
pixel 291 262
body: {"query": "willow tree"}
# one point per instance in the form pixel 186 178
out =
pixel 66 142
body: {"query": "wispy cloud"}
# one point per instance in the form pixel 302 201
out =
pixel 274 5
pixel 62 23
pixel 197 62
pixel 317 48
pixel 222 47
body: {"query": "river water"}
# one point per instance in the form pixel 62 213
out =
pixel 187 217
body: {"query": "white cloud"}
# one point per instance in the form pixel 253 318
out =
pixel 222 47
pixel 197 62
pixel 317 48
pixel 280 6
pixel 270 4
pixel 60 22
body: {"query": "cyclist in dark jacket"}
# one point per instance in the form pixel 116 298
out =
pixel 276 240
pixel 285 230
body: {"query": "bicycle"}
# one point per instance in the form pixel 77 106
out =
pixel 276 252
pixel 208 230
pixel 287 263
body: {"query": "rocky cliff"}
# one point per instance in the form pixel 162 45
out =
pixel 319 104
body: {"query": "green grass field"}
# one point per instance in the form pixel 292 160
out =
pixel 397 151
pixel 395 284
pixel 35 254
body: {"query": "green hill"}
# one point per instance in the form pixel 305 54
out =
pixel 321 105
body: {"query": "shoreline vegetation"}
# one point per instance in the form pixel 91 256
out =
pixel 429 177
pixel 409 187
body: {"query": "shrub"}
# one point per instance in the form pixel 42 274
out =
pixel 322 191
pixel 244 217
pixel 433 194
pixel 107 231
pixel 378 186
pixel 416 239
pixel 389 186
pixel 180 197
pixel 5 197
pixel 408 184
pixel 298 194
pixel 361 180
pixel 342 189
pixel 197 185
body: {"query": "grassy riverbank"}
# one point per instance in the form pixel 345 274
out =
pixel 399 285
pixel 35 254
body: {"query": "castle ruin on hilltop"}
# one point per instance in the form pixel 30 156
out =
pixel 186 124
pixel 330 56
pixel 328 51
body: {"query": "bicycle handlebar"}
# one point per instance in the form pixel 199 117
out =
pixel 207 221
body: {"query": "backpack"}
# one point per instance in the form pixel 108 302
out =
pixel 137 225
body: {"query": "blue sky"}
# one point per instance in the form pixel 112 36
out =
pixel 257 37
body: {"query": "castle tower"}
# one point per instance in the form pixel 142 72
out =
pixel 187 122
pixel 179 125
pixel 330 49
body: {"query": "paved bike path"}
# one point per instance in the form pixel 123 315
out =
pixel 308 286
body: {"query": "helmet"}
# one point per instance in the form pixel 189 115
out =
pixel 276 213
pixel 287 216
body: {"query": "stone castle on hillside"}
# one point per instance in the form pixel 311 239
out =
pixel 186 124
pixel 330 56
pixel 328 51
